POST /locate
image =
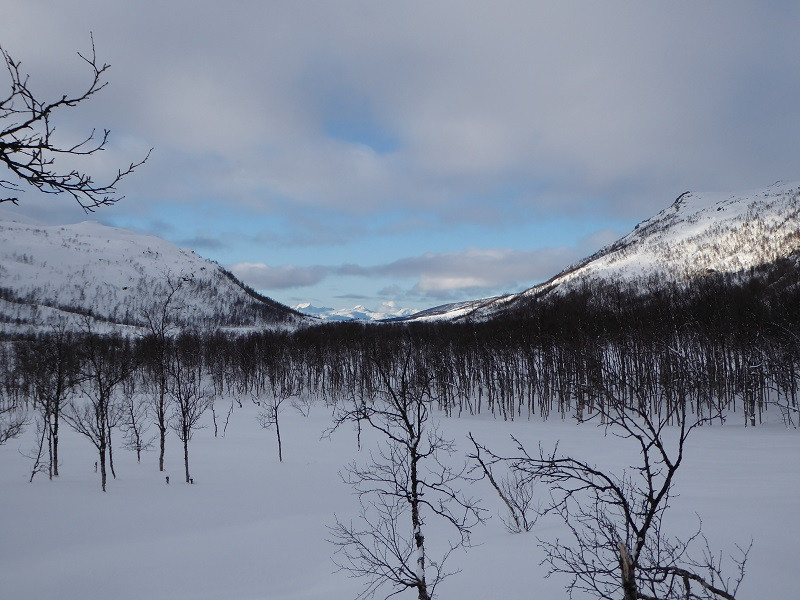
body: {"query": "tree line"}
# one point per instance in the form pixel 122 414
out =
pixel 719 347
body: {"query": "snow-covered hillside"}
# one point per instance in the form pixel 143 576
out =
pixel 387 310
pixel 52 273
pixel 699 233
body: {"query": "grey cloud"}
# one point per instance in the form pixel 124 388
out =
pixel 300 229
pixel 203 241
pixel 392 291
pixel 630 102
pixel 479 269
pixel 262 276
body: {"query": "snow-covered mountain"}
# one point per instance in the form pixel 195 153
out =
pixel 387 310
pixel 55 273
pixel 699 233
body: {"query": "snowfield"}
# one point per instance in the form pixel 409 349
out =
pixel 251 527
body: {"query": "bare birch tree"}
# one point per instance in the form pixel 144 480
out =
pixel 190 398
pixel 135 423
pixel 283 386
pixel 406 481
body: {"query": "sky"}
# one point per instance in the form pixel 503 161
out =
pixel 416 152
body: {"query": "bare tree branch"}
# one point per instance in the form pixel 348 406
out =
pixel 28 147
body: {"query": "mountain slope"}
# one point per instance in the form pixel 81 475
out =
pixel 54 273
pixel 699 233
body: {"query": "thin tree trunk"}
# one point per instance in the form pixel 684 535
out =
pixel 161 451
pixel 186 456
pixel 49 450
pixel 627 573
pixel 419 539
pixel 278 432
pixel 53 428
pixel 162 419
pixel 103 465
pixel 111 455
pixel 38 460
pixel 55 439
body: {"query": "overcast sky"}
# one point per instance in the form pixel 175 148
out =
pixel 344 152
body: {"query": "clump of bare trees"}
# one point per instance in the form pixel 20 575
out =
pixel 50 364
pixel 104 364
pixel 161 324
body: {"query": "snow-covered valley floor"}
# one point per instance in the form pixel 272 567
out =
pixel 251 527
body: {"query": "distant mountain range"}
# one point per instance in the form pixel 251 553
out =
pixel 387 310
pixel 698 234
pixel 113 277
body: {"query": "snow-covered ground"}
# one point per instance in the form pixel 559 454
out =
pixel 251 527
